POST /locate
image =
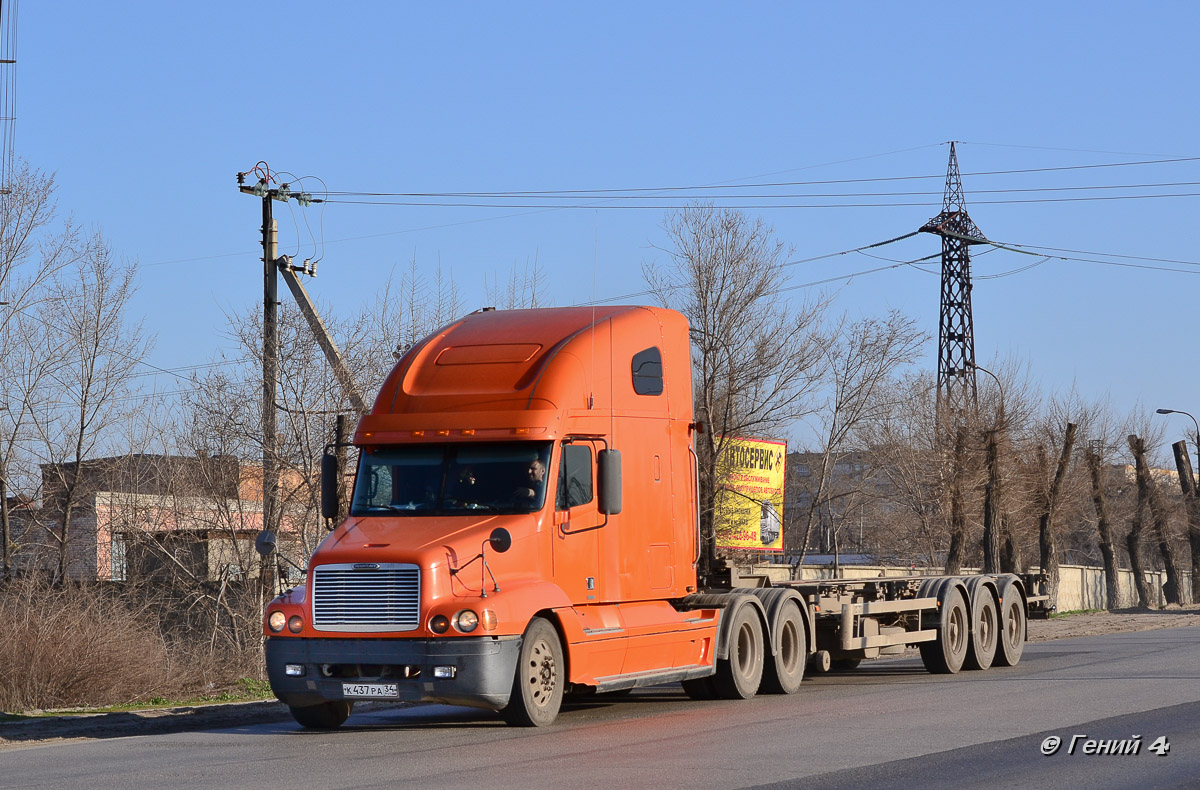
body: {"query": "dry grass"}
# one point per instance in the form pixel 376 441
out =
pixel 73 646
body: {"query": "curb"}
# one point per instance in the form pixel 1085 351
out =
pixel 142 722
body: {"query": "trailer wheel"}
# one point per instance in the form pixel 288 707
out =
pixel 1011 642
pixel 537 690
pixel 322 716
pixel 945 655
pixel 985 630
pixel 739 676
pixel 783 672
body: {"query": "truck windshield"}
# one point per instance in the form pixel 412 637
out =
pixel 451 479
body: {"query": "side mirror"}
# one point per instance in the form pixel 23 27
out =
pixel 609 473
pixel 264 544
pixel 500 540
pixel 329 475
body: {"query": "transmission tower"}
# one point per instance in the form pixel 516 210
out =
pixel 956 391
pixel 8 81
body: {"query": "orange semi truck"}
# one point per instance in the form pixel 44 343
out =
pixel 524 524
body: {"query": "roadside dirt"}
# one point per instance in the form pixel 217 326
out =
pixel 112 725
pixel 1120 621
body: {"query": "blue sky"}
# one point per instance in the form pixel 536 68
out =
pixel 146 111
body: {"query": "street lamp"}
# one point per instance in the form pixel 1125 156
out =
pixel 1197 424
pixel 999 387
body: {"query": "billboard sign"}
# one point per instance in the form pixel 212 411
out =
pixel 749 506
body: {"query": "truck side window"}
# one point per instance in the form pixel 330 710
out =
pixel 647 372
pixel 574 476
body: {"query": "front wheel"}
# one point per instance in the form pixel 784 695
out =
pixel 537 691
pixel 322 716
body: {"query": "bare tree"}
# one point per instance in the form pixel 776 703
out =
pixel 861 359
pixel 1104 527
pixel 522 290
pixel 34 247
pixel 1149 494
pixel 1191 499
pixel 96 348
pixel 1046 539
pixel 756 358
pixel 1133 540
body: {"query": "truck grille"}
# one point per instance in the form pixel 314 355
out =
pixel 366 597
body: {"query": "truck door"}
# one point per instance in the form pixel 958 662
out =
pixel 577 522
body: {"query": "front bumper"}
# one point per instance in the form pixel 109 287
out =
pixel 484 668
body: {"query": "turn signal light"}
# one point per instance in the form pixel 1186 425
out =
pixel 488 619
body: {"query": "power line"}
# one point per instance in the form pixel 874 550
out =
pixel 1070 150
pixel 843 194
pixel 754 206
pixel 876 179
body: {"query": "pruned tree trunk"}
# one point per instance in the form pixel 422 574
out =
pixel 958 521
pixel 341 438
pixel 1133 541
pixel 1112 582
pixel 1011 560
pixel 1172 589
pixel 1047 543
pixel 6 528
pixel 991 507
pixel 1191 500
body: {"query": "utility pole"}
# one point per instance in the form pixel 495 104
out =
pixel 270 380
pixel 275 265
pixel 956 391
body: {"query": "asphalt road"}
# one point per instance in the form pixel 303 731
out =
pixel 888 724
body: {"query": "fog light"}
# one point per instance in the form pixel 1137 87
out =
pixel 295 624
pixel 466 621
pixel 275 621
pixel 443 672
pixel 488 618
pixel 295 670
pixel 439 623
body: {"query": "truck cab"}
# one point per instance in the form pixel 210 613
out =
pixel 523 522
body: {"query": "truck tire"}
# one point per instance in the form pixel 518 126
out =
pixel 537 691
pixel 1011 638
pixel 783 671
pixel 985 628
pixel 945 655
pixel 739 676
pixel 322 716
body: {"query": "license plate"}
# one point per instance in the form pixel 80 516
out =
pixel 384 690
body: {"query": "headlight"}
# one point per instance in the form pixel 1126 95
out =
pixel 466 621
pixel 275 621
pixel 295 624
pixel 439 623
